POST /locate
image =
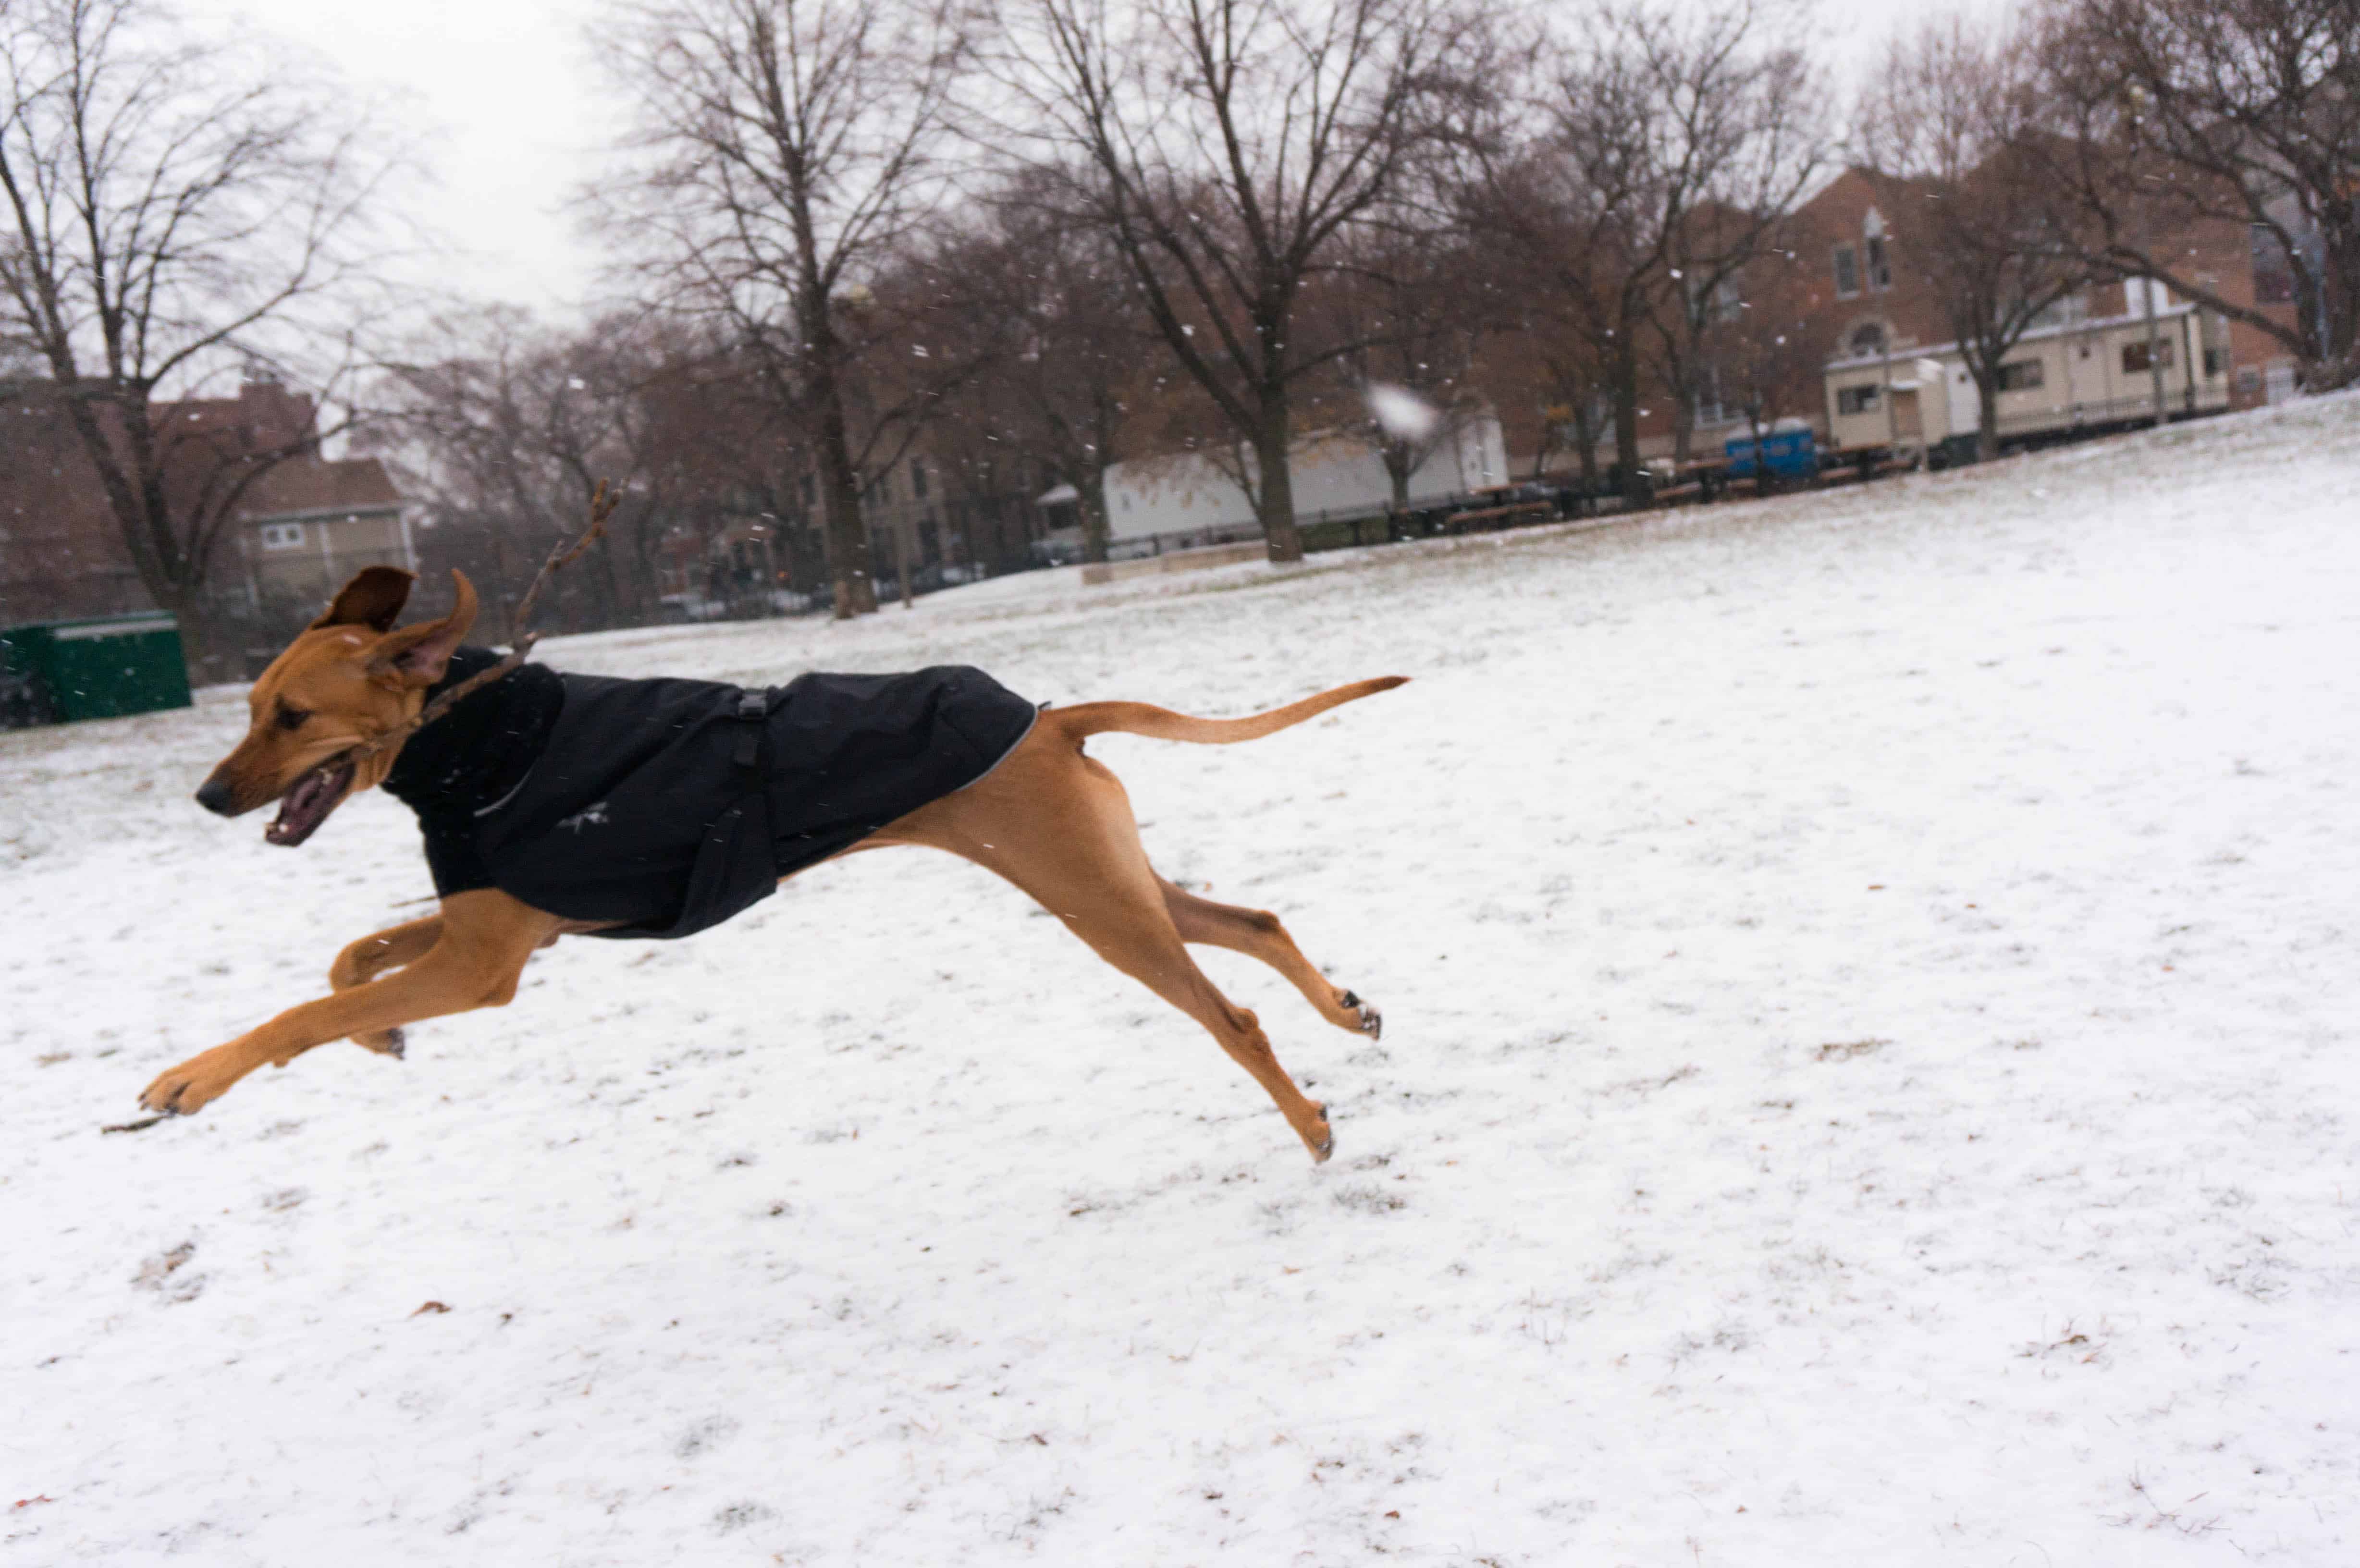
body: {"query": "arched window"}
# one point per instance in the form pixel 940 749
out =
pixel 1867 338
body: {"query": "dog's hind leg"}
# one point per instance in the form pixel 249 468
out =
pixel 1059 826
pixel 1258 934
pixel 364 960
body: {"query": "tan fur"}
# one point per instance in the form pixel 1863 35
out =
pixel 1049 819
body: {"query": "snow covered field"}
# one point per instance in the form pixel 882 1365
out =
pixel 1870 988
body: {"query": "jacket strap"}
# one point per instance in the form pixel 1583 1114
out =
pixel 753 707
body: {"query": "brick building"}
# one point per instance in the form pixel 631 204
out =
pixel 1877 368
pixel 298 530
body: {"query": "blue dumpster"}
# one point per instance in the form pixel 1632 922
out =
pixel 1789 454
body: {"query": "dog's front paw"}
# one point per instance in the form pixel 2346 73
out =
pixel 195 1084
pixel 385 1042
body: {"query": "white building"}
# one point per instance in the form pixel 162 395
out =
pixel 2074 374
pixel 1184 499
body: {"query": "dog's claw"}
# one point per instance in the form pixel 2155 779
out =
pixel 389 1041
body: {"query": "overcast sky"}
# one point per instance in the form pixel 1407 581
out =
pixel 513 115
pixel 503 98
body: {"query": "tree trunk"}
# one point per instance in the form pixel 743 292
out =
pixel 1987 415
pixel 1396 456
pixel 647 581
pixel 1097 528
pixel 610 581
pixel 1764 484
pixel 1634 488
pixel 849 565
pixel 169 579
pixel 1284 539
pixel 1585 435
pixel 2343 302
pixel 848 562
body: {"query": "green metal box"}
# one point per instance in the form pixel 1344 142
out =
pixel 105 667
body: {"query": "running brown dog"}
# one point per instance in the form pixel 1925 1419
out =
pixel 1045 816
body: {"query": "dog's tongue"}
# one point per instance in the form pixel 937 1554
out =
pixel 306 805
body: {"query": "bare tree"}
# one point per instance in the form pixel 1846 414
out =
pixel 1947 129
pixel 2172 114
pixel 1229 143
pixel 1770 359
pixel 1672 143
pixel 1409 300
pixel 789 153
pixel 1060 385
pixel 492 437
pixel 1754 118
pixel 506 430
pixel 174 211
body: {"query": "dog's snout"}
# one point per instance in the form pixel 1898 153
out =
pixel 215 796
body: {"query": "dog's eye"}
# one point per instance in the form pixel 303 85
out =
pixel 292 718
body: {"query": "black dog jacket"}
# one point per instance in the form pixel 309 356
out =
pixel 664 806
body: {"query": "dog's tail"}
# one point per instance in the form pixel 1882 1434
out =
pixel 1084 719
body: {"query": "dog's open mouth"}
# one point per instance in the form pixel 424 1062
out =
pixel 308 801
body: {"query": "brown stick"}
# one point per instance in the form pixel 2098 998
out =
pixel 602 506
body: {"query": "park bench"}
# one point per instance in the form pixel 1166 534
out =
pixel 1487 518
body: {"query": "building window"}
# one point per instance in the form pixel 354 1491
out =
pixel 282 536
pixel 1867 338
pixel 2062 312
pixel 1725 301
pixel 1880 271
pixel 1712 405
pixel 918 477
pixel 2216 362
pixel 2273 268
pixel 1847 272
pixel 1858 400
pixel 2021 375
pixel 2135 359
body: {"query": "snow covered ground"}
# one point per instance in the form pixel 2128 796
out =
pixel 1870 984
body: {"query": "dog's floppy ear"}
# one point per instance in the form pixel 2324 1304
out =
pixel 373 599
pixel 417 656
